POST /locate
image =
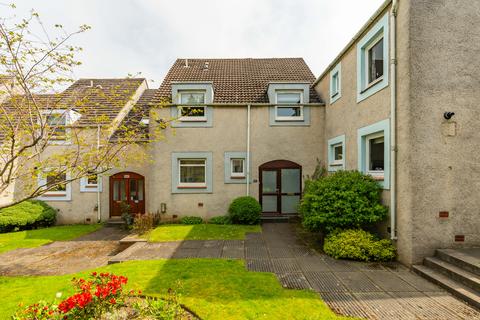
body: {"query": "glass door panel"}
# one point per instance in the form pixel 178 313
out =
pixel 269 181
pixel 290 180
pixel 269 204
pixel 290 204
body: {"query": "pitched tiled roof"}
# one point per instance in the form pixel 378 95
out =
pixel 97 100
pixel 239 80
pixel 100 100
pixel 131 122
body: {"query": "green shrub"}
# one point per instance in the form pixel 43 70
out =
pixel 26 215
pixel 191 220
pixel 356 244
pixel 245 210
pixel 345 199
pixel 220 220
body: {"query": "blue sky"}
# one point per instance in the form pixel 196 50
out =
pixel 130 36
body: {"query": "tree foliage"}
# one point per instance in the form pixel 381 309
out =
pixel 34 70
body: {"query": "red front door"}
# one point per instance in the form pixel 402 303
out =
pixel 127 188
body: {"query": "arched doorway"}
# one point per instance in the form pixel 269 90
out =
pixel 280 187
pixel 127 188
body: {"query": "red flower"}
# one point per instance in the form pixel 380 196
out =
pixel 113 301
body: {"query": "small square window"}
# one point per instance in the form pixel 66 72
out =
pixel 375 153
pixel 92 180
pixel 238 168
pixel 375 61
pixel 192 173
pixel 293 112
pixel 192 113
pixel 338 154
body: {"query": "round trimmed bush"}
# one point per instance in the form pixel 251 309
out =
pixel 26 215
pixel 245 210
pixel 357 244
pixel 344 199
pixel 191 220
pixel 220 220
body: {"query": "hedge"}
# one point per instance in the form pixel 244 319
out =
pixel 30 214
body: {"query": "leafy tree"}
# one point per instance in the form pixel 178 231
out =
pixel 34 67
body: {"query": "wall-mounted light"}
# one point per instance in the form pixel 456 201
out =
pixel 163 207
pixel 448 115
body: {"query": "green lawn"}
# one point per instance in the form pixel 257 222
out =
pixel 173 232
pixel 35 238
pixel 212 288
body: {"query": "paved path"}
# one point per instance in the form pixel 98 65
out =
pixel 365 290
pixel 64 257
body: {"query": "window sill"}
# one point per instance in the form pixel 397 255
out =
pixel 238 177
pixel 336 164
pixel 299 119
pixel 372 84
pixel 193 120
pixel 377 177
pixel 191 187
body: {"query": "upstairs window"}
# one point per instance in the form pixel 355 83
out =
pixel 335 84
pixel 289 108
pixel 192 112
pixel 56 124
pixel 192 173
pixel 238 168
pixel 374 61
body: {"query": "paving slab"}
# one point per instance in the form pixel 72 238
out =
pixel 388 281
pixel 325 282
pixel 293 280
pixel 384 306
pixel 357 281
pixel 233 252
pixel 422 306
pixel 346 304
pixel 260 265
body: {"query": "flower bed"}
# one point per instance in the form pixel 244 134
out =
pixel 102 296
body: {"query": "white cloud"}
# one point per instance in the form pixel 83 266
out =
pixel 148 35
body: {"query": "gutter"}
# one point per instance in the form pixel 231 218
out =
pixel 393 120
pixel 354 39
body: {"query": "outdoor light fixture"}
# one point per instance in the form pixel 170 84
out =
pixel 448 115
pixel 163 207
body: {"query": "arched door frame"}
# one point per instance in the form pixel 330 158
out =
pixel 128 179
pixel 277 166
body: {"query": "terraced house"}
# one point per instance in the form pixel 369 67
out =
pixel 399 103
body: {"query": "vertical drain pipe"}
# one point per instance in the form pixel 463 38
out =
pixel 248 150
pixel 99 177
pixel 393 121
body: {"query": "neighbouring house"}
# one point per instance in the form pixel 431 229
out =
pixel 402 105
pixel 398 103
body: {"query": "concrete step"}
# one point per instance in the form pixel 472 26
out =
pixel 114 222
pixel 467 259
pixel 459 290
pixel 454 272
